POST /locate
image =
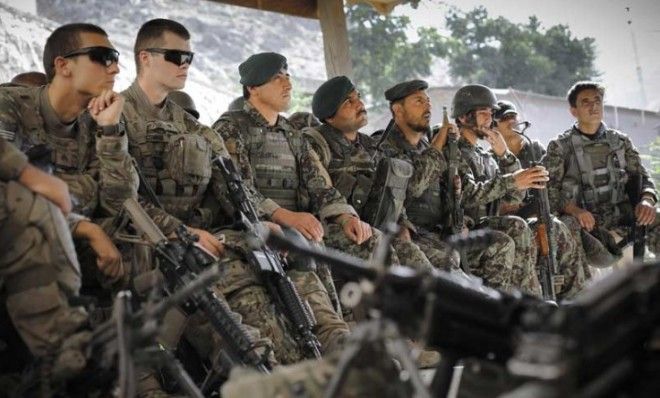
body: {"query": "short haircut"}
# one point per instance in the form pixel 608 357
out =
pixel 151 33
pixel 63 40
pixel 578 87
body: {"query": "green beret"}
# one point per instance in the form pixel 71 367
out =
pixel 329 96
pixel 402 90
pixel 260 68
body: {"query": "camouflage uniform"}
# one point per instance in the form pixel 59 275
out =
pixel 352 168
pixel 571 259
pixel 280 169
pixel 174 151
pixel 483 166
pixel 595 180
pixel 424 208
pixel 39 271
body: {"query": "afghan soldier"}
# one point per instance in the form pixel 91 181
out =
pixel 472 109
pixel 350 158
pixel 589 167
pixel 568 243
pixel 39 271
pixel 174 152
pixel 411 111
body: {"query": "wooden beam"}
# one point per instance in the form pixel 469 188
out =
pixel 335 38
pixel 297 8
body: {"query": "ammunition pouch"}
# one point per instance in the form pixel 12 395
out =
pixel 386 204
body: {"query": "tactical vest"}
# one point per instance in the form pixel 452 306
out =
pixel 484 168
pixel 598 166
pixel 352 172
pixel 70 157
pixel 175 163
pixel 274 158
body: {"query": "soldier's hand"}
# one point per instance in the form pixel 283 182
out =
pixel 585 218
pixel 106 108
pixel 533 177
pixel 354 228
pixel 108 258
pixel 404 234
pixel 645 212
pixel 208 241
pixel 50 187
pixel 496 141
pixel 440 139
pixel 305 223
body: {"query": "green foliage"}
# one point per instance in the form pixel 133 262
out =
pixel 382 53
pixel 481 49
pixel 499 53
pixel 651 159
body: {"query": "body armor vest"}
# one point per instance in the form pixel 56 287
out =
pixel 274 157
pixel 175 163
pixel 427 210
pixel 352 172
pixel 599 168
pixel 484 167
pixel 69 156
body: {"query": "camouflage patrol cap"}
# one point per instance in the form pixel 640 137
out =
pixel 329 96
pixel 259 68
pixel 506 108
pixel 471 97
pixel 236 104
pixel 402 90
pixel 185 101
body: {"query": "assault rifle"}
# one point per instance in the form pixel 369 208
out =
pixel 454 188
pixel 179 262
pixel 269 264
pixel 637 232
pixel 545 238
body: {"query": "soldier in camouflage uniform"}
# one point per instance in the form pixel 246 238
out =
pixel 411 109
pixel 76 116
pixel 174 152
pixel 39 271
pixel 571 259
pixel 472 108
pixel 350 157
pixel 589 167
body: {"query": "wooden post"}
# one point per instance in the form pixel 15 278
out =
pixel 335 38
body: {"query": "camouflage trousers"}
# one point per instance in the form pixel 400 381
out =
pixel 596 245
pixel 38 269
pixel 247 295
pixel 441 255
pixel 571 259
pixel 372 373
pixel 401 252
pixel 523 263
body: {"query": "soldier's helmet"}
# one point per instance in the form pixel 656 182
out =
pixel 471 97
pixel 506 108
pixel 185 101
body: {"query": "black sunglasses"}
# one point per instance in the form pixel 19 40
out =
pixel 177 57
pixel 105 56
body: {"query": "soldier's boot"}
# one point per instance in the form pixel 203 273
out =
pixel 494 264
pixel 331 329
pixel 39 269
pixel 524 276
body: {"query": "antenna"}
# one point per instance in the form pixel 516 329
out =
pixel 640 78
